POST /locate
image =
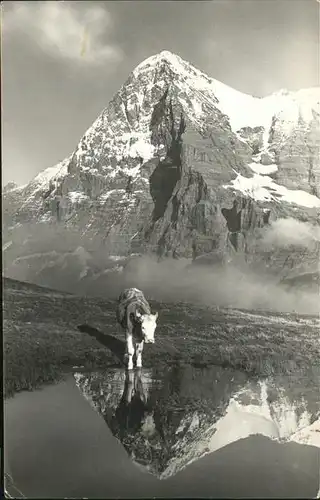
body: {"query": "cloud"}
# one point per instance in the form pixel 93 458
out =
pixel 285 232
pixel 47 249
pixel 73 31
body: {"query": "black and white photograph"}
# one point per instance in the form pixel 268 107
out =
pixel 161 249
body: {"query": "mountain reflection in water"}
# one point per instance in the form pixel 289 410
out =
pixel 167 421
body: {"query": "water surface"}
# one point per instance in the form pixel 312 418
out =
pixel 204 432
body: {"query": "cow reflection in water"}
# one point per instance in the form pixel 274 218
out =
pixel 133 414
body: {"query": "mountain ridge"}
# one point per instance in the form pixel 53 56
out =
pixel 166 56
pixel 185 165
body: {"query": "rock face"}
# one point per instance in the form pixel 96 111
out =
pixel 167 422
pixel 182 165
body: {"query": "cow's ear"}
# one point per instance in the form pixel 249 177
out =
pixel 156 315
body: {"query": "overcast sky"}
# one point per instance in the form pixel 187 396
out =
pixel 55 84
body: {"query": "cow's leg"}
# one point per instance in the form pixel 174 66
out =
pixel 129 386
pixel 139 349
pixel 129 350
pixel 139 386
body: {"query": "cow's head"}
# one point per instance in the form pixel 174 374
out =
pixel 148 326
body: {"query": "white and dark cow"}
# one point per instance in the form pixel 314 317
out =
pixel 135 317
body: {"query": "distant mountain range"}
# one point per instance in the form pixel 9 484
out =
pixel 183 166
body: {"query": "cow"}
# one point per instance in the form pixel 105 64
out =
pixel 135 317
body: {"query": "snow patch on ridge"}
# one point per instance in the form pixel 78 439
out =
pixel 59 170
pixel 308 435
pixel 258 168
pixel 141 147
pixel 15 188
pixel 6 246
pixel 105 196
pixel 263 188
pixel 77 196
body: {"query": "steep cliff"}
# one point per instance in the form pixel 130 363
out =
pixel 182 165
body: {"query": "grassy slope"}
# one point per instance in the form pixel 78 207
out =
pixel 42 341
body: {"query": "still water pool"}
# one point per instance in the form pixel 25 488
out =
pixel 187 433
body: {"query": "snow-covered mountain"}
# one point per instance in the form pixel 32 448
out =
pixel 183 165
pixel 191 412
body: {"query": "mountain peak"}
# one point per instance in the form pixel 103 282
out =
pixel 182 165
pixel 9 186
pixel 165 56
pixel 12 187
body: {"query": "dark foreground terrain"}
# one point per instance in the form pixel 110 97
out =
pixel 47 334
